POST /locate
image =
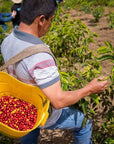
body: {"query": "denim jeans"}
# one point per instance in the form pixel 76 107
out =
pixel 70 119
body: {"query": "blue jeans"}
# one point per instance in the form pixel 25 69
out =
pixel 70 119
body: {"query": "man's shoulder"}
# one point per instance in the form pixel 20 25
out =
pixel 7 38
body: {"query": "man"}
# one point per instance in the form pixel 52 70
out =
pixel 40 69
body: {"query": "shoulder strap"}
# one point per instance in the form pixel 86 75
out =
pixel 26 53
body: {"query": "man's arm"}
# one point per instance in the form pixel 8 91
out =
pixel 45 74
pixel 60 98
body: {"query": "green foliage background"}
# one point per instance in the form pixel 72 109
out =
pixel 69 41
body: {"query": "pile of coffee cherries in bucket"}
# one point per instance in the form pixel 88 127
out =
pixel 17 114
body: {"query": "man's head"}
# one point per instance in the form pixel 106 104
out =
pixel 36 16
pixel 31 9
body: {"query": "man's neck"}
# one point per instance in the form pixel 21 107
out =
pixel 28 29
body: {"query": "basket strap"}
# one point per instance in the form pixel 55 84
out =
pixel 26 53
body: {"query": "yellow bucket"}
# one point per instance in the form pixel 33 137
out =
pixel 32 94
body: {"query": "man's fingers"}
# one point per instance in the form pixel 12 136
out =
pixel 103 78
pixel 105 84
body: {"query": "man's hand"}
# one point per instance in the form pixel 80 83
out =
pixel 97 85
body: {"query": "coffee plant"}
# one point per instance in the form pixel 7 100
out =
pixel 98 13
pixel 86 7
pixel 111 20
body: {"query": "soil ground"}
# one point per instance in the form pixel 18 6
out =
pixel 105 34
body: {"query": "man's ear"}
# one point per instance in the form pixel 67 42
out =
pixel 41 20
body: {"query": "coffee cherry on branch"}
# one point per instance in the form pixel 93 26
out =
pixel 17 113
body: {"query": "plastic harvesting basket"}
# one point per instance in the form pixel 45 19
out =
pixel 32 94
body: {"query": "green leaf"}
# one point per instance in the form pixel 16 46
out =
pixel 103 50
pixel 95 34
pixel 109 44
pixel 84 121
pixel 92 111
pixel 84 108
pixel 64 74
pixel 95 98
pixel 106 57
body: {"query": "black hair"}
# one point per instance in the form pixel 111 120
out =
pixel 31 9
